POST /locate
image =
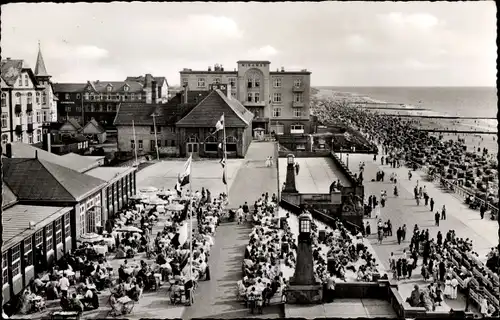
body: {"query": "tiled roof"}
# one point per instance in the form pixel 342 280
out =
pixel 108 174
pixel 79 164
pixel 36 179
pixel 95 124
pixel 117 86
pixel 16 221
pixel 209 110
pixel 8 197
pixel 166 114
pixel 142 79
pixel 69 87
pixel 40 69
pixel 74 123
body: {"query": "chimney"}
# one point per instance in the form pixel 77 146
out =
pixel 154 89
pixel 209 68
pixel 8 58
pixel 8 150
pixel 221 68
pixel 228 91
pixel 185 94
pixel 282 69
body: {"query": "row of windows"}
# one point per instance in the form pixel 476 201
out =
pixel 19 137
pixel 294 128
pixel 123 97
pixel 277 82
pixel 202 82
pixel 297 112
pixel 29 98
pixel 252 82
pixel 297 97
pixel 41 116
pixel 26 81
pixel 165 129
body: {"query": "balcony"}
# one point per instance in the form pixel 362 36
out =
pixel 300 88
pixel 255 104
pixel 18 109
pixel 30 127
pixel 296 104
pixel 29 107
pixel 19 129
pixel 45 106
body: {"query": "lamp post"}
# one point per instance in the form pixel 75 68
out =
pixel 347 155
pixel 156 138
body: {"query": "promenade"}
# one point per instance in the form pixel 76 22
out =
pixel 217 298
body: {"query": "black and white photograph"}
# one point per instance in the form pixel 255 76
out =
pixel 262 160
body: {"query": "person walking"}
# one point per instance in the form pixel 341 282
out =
pixel 436 218
pixel 399 235
pixel 443 213
pixel 432 204
pixel 403 234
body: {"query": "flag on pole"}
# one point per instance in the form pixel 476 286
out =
pixel 220 124
pixel 183 177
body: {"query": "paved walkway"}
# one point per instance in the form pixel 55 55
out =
pixel 217 298
pixel 404 210
pixel 344 308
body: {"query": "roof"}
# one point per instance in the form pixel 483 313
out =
pixel 40 69
pixel 166 114
pixel 109 174
pixel 69 87
pixel 290 72
pixel 11 69
pixel 16 221
pixel 207 72
pixel 210 109
pixel 79 164
pixel 253 61
pixel 147 79
pixel 74 123
pixel 116 86
pixel 36 179
pixel 77 157
pixel 95 124
pixel 8 197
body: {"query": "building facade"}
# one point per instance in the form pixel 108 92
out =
pixel 27 101
pixel 99 100
pixel 280 100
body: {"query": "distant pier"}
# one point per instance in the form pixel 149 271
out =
pixel 439 117
pixel 458 131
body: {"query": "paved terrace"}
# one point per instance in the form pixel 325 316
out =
pixel 315 174
pixel 344 308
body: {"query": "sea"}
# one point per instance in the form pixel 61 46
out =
pixel 452 101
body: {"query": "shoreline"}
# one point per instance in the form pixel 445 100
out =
pixel 473 141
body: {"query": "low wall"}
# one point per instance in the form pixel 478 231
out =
pixel 306 154
pixel 343 168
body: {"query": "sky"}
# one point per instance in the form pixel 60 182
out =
pixel 341 43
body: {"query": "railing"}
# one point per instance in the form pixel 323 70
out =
pixel 455 187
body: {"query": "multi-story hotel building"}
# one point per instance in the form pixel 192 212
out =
pixel 27 101
pixel 100 99
pixel 278 99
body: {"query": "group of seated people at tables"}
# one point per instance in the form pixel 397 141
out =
pixel 263 278
pixel 337 251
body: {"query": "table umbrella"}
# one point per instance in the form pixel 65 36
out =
pixel 149 189
pixel 129 229
pixel 90 238
pixel 175 207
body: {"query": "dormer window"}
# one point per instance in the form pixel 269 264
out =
pixel 109 88
pixel 125 88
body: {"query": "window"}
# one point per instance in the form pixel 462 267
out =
pixel 67 225
pixel 37 98
pixel 211 144
pixel 277 82
pixel 184 83
pixel 16 260
pixel 44 98
pixel 4 120
pixel 30 138
pixel 78 96
pixel 66 96
pixel 277 97
pixel 276 112
pixel 297 112
pixel 28 252
pixel 92 107
pixel 297 83
pixel 58 231
pixel 132 144
pixel 18 98
pixel 109 108
pixel 217 80
pixel 38 135
pixel 249 83
pixel 201 82
pixel 38 116
pixel 298 97
pixel 45 114
pixel 99 108
pixel 232 82
pixel 4 100
pixel 5 269
pixel 5 139
pixel 297 128
pixel 256 97
pixel 49 237
pixel 231 144
pixel 249 97
pixel 109 88
pixel 141 145
pixel 20 81
pixel 278 128
pixel 125 88
pixel 26 83
pixel 82 219
pixel 30 117
pixel 39 239
pixel 108 97
pixel 153 145
pixel 132 96
pixel 30 98
pixel 256 82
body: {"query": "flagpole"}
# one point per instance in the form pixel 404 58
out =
pixel 225 155
pixel 190 226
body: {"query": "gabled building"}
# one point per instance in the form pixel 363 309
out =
pixel 99 100
pixel 94 131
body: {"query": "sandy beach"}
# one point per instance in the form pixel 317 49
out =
pixel 473 141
